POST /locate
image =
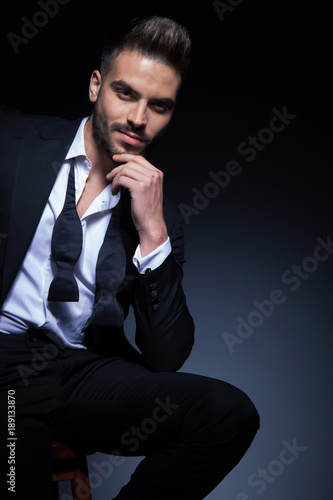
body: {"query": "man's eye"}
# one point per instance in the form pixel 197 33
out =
pixel 125 94
pixel 160 108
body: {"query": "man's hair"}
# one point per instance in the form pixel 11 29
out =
pixel 159 38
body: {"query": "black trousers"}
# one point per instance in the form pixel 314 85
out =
pixel 192 430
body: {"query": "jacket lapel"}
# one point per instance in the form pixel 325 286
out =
pixel 40 159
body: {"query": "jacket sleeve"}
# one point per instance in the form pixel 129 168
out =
pixel 164 326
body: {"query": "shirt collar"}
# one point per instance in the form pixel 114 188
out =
pixel 78 147
pixel 106 200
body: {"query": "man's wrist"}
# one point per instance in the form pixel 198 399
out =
pixel 154 259
pixel 152 239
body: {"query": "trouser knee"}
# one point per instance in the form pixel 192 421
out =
pixel 231 410
pixel 245 414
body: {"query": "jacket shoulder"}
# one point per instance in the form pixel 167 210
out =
pixel 14 123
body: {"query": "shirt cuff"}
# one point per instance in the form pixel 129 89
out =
pixel 152 260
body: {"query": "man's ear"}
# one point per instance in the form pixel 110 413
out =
pixel 95 85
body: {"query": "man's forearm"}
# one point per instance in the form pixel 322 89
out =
pixel 165 329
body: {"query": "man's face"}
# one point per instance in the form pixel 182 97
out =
pixel 134 104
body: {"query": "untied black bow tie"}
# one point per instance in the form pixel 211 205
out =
pixel 66 247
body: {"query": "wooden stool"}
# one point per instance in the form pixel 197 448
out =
pixel 69 466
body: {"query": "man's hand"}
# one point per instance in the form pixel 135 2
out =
pixel 145 184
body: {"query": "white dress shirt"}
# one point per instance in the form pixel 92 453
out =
pixel 26 304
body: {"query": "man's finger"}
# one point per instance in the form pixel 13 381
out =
pixel 133 170
pixel 127 157
pixel 124 182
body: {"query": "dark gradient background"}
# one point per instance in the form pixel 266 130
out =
pixel 246 236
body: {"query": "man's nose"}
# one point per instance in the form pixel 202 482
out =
pixel 138 115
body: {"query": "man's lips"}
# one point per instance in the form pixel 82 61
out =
pixel 129 138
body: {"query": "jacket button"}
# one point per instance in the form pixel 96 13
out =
pixel 153 293
pixel 148 270
pixel 155 307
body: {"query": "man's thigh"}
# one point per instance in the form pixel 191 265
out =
pixel 119 406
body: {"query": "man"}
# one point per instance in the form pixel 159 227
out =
pixel 68 278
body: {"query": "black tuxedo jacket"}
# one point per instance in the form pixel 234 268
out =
pixel 32 150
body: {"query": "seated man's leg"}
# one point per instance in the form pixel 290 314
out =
pixel 192 430
pixel 29 401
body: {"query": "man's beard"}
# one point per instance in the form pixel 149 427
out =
pixel 102 134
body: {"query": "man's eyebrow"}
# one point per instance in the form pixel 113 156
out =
pixel 167 101
pixel 126 86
